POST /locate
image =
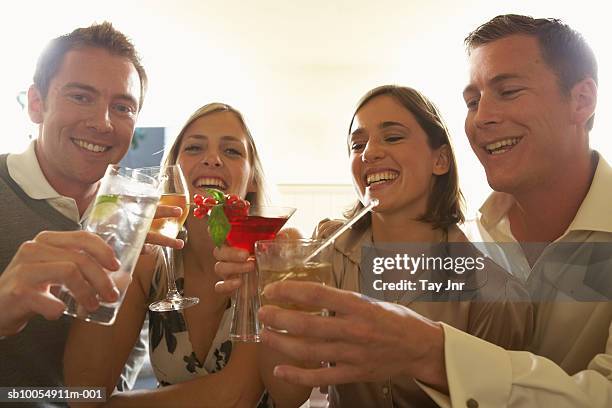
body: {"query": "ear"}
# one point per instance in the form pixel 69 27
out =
pixel 584 101
pixel 35 105
pixel 441 163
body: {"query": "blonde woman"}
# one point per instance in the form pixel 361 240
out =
pixel 194 361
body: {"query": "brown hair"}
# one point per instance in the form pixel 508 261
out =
pixel 103 36
pixel 563 49
pixel 260 196
pixel 444 207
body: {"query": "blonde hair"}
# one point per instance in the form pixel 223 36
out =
pixel 259 197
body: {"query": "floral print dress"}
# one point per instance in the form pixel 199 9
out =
pixel 170 350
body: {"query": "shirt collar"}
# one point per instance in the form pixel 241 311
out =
pixel 495 209
pixel 593 214
pixel 25 170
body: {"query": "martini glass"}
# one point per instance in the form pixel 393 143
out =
pixel 262 223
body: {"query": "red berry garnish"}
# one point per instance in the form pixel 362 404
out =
pixel 210 201
pixel 198 199
pixel 199 212
pixel 235 207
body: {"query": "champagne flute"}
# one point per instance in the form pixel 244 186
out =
pixel 175 192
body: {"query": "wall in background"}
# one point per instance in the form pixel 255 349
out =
pixel 296 70
pixel 147 148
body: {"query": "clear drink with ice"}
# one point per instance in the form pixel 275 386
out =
pixel 122 214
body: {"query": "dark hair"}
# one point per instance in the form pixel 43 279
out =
pixel 444 207
pixel 260 196
pixel 103 36
pixel 564 50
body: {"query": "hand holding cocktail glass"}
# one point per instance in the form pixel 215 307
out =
pixel 301 255
pixel 234 221
pixel 368 341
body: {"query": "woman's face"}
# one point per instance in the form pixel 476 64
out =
pixel 214 154
pixel 391 159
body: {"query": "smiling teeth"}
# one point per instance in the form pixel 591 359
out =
pixel 210 181
pixel 499 147
pixel 380 177
pixel 91 147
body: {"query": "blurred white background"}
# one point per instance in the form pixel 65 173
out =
pixel 294 70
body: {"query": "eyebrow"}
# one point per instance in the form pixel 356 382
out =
pixel 357 132
pixel 383 125
pixel 227 138
pixel 89 88
pixel 495 80
pixel 389 124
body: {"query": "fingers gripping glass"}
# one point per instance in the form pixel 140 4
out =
pixel 122 213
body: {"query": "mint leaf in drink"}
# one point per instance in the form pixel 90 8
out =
pixel 218 225
pixel 216 194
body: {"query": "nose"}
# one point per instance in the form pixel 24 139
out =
pixel 212 158
pixel 487 112
pixel 100 119
pixel 372 152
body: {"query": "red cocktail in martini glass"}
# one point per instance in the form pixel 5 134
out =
pixel 233 221
pixel 262 223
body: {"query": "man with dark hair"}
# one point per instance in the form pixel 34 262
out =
pixel 88 90
pixel 531 100
pixel 103 36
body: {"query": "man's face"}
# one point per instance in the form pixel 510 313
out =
pixel 519 121
pixel 88 117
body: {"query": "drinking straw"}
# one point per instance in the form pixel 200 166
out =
pixel 329 240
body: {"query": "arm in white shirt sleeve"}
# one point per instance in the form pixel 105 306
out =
pixel 481 374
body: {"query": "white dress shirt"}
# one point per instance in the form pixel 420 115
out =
pixel 25 170
pixel 570 363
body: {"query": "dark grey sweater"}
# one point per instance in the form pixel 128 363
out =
pixel 34 356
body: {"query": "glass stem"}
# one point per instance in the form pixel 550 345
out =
pixel 169 258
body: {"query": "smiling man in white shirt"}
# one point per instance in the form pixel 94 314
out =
pixel 88 89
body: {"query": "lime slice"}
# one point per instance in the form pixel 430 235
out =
pixel 106 206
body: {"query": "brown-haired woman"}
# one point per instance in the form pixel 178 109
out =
pixel 400 154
